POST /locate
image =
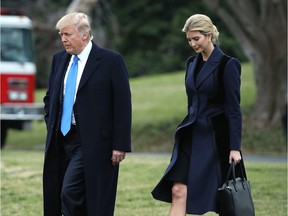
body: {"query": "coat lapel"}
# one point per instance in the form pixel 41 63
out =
pixel 190 73
pixel 210 66
pixel 60 74
pixel 91 64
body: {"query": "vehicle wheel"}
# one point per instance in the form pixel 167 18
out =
pixel 4 130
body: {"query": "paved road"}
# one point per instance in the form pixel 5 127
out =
pixel 247 157
pixel 270 159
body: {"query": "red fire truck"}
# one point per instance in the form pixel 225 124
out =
pixel 17 74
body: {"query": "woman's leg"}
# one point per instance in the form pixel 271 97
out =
pixel 179 197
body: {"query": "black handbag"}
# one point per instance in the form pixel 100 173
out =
pixel 234 197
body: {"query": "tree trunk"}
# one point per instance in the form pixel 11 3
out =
pixel 101 16
pixel 261 29
pixel 84 6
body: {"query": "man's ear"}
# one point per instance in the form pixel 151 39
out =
pixel 85 36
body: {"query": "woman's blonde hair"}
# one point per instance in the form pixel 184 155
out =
pixel 80 20
pixel 203 24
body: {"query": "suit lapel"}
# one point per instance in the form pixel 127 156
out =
pixel 210 66
pixel 207 69
pixel 190 73
pixel 60 74
pixel 91 64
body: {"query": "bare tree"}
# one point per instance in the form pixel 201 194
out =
pixel 81 5
pixel 100 13
pixel 260 26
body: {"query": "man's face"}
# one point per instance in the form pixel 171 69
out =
pixel 72 40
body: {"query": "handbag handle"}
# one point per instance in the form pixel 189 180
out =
pixel 232 170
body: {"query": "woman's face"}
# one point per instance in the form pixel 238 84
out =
pixel 199 42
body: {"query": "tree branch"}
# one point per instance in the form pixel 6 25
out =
pixel 84 6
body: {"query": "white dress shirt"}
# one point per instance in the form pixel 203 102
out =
pixel 83 56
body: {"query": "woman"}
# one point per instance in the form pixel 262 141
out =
pixel 209 137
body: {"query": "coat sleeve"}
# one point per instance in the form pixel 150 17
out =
pixel 232 84
pixel 122 106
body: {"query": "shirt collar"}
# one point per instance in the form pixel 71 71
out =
pixel 83 56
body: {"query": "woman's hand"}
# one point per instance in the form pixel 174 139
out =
pixel 235 156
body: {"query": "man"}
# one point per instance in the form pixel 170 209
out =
pixel 88 118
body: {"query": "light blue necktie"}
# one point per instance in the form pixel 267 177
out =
pixel 69 97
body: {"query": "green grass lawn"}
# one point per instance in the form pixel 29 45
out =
pixel 21 188
pixel 159 104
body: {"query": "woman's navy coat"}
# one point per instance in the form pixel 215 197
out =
pixel 212 127
pixel 103 113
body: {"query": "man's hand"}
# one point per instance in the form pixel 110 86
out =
pixel 117 157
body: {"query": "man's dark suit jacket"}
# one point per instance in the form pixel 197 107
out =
pixel 103 114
